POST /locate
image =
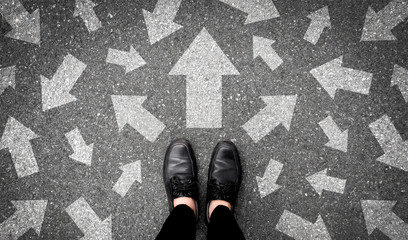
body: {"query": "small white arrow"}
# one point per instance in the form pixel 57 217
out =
pixel 85 10
pixel 7 78
pixel 394 147
pixel 378 26
pixel 160 23
pixel 29 214
pixel 279 109
pixel 130 60
pixel 129 109
pixel 320 21
pixel 267 183
pixel 301 229
pixel 400 79
pixel 262 47
pixel 26 26
pixel 131 172
pixel 89 223
pixel 82 151
pixel 378 214
pixel 16 137
pixel 320 181
pixel 337 138
pixel 55 92
pixel 257 10
pixel 333 76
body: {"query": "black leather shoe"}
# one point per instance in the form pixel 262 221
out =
pixel 224 175
pixel 180 172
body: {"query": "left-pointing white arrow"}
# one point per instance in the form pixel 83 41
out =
pixel 29 214
pixel 7 78
pixel 131 172
pixel 16 138
pixel 26 26
pixel 337 138
pixel 130 60
pixel 85 10
pixel 320 181
pixel 82 151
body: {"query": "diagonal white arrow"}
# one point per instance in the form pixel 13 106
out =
pixel 394 147
pixel 55 92
pixel 333 76
pixel 337 138
pixel 129 109
pixel 257 10
pixel 7 78
pixel 267 183
pixel 400 79
pixel 85 10
pixel 130 60
pixel 16 138
pixel 301 229
pixel 262 47
pixel 278 110
pixel 320 21
pixel 131 172
pixel 378 26
pixel 29 214
pixel 26 26
pixel 160 23
pixel 82 151
pixel 321 181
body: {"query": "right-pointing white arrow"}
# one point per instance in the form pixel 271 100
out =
pixel 337 138
pixel 131 172
pixel 278 110
pixel 321 181
pixel 400 79
pixel 82 151
pixel 267 183
pixel 130 60
pixel 258 10
pixel 7 78
pixel 262 47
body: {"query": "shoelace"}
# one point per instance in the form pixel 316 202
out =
pixel 221 191
pixel 185 187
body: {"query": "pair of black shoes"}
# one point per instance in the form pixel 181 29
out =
pixel 180 173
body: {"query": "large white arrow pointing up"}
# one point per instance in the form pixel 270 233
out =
pixel 131 172
pixel 378 26
pixel 278 110
pixel 320 21
pixel 131 60
pixel 204 63
pixel 55 92
pixel 26 26
pixel 129 109
pixel 29 214
pixel 262 47
pixel 400 79
pixel 320 181
pixel 7 78
pixel 301 229
pixel 337 138
pixel 82 151
pixel 258 10
pixel 378 214
pixel 333 76
pixel 267 183
pixel 16 137
pixel 89 223
pixel 394 147
pixel 85 10
pixel 160 23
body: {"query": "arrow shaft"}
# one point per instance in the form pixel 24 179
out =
pixel 67 74
pixel 330 128
pixel 334 184
pixel 75 139
pixel 261 124
pixel 13 228
pixel 394 227
pixel 117 57
pixel 167 8
pixel 314 31
pixel 12 11
pixel 146 124
pixel 271 58
pixel 124 183
pixel 294 226
pixel 83 215
pixel 394 13
pixel 91 20
pixel 23 159
pixel 385 132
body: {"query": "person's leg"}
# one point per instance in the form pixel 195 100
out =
pixel 181 224
pixel 223 226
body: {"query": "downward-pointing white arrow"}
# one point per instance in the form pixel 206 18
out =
pixel 131 172
pixel 400 79
pixel 131 60
pixel 320 181
pixel 258 10
pixel 262 47
pixel 29 214
pixel 82 151
pixel 267 183
pixel 320 21
pixel 84 9
pixel 7 78
pixel 337 138
pixel 279 109
pixel 16 138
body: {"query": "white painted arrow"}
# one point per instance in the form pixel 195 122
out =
pixel 130 60
pixel 129 109
pixel 204 63
pixel 400 79
pixel 337 138
pixel 262 47
pixel 131 172
pixel 333 76
pixel 89 223
pixel 320 21
pixel 16 138
pixel 26 26
pixel 321 181
pixel 279 109
pixel 378 26
pixel 267 183
pixel 257 10
pixel 29 214
pixel 378 214
pixel 55 92
pixel 394 147
pixel 7 78
pixel 82 151
pixel 85 10
pixel 160 23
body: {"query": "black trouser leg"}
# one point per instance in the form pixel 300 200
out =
pixel 181 224
pixel 223 225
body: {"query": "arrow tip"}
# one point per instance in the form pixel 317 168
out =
pixel 157 28
pixel 375 29
pixel 261 11
pixel 260 44
pixel 375 211
pixel 134 168
pixel 286 104
pixel 135 60
pixel 27 28
pixel 7 75
pixel 122 105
